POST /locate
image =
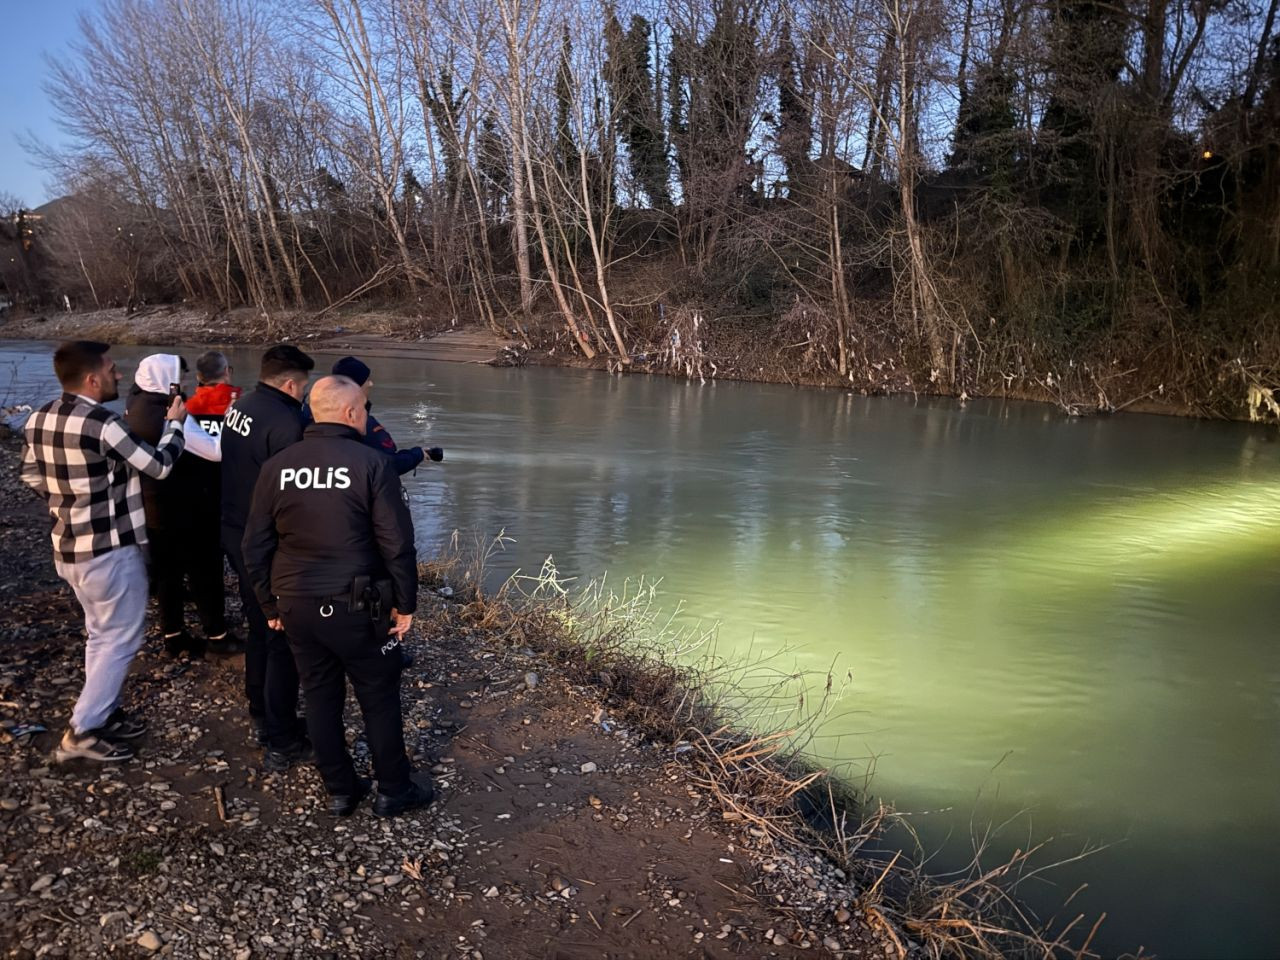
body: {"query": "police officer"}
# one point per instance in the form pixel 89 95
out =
pixel 257 427
pixel 406 458
pixel 376 436
pixel 329 549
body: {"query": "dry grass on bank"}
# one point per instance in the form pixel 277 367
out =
pixel 661 680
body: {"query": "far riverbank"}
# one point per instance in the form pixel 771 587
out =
pixel 389 333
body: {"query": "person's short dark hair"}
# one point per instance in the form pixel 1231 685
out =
pixel 284 361
pixel 76 359
pixel 212 365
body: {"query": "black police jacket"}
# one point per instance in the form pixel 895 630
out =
pixel 325 511
pixel 256 427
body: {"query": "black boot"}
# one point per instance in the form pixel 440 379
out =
pixel 279 759
pixel 344 804
pixel 184 645
pixel 418 795
pixel 226 645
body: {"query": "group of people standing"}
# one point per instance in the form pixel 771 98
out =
pixel 303 499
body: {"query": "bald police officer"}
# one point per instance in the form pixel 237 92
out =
pixel 329 550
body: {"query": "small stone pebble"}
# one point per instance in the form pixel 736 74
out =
pixel 150 941
pixel 42 883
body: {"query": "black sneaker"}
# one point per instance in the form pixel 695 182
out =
pixel 277 760
pixel 184 645
pixel 344 804
pixel 90 746
pixel 418 795
pixel 258 734
pixel 227 645
pixel 122 726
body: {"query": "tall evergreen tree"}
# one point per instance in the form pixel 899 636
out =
pixel 631 86
pixel 445 113
pixel 678 105
pixel 985 146
pixel 1087 40
pixel 493 163
pixel 795 115
pixel 566 150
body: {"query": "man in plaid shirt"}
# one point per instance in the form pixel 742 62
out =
pixel 82 459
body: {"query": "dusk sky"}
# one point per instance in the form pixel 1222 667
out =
pixel 31 28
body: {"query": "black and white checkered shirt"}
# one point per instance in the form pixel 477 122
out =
pixel 84 461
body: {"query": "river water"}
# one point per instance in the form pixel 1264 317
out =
pixel 1071 623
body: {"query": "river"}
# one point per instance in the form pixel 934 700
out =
pixel 1071 623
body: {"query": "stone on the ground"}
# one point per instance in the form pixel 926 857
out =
pixel 150 941
pixel 42 883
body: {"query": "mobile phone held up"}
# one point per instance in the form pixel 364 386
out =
pixel 175 390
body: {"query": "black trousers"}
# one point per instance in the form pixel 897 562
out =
pixel 188 553
pixel 330 645
pixel 270 675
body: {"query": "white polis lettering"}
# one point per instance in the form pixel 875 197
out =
pixel 238 422
pixel 315 478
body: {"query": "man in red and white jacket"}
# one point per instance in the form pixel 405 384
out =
pixel 214 392
pixel 208 407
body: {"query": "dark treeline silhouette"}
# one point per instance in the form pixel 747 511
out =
pixel 1074 199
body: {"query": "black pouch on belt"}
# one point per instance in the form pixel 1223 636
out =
pixel 360 594
pixel 376 597
pixel 381 599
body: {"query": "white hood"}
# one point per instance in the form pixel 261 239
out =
pixel 155 374
pixel 157 371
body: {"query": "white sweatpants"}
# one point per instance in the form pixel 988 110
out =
pixel 112 589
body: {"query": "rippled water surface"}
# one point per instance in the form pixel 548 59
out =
pixel 1072 618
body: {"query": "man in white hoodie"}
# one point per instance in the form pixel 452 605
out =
pixel 180 550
